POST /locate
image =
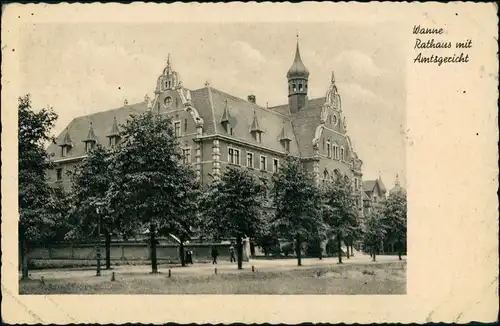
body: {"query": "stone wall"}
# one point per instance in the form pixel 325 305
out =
pixel 124 251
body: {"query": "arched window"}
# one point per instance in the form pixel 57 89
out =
pixel 300 87
pixel 342 157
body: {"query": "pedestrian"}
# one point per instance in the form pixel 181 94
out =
pixel 190 256
pixel 231 253
pixel 215 253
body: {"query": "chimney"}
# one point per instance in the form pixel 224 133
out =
pixel 251 98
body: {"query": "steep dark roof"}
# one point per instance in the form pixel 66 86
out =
pixel 79 128
pixel 368 185
pixel 243 113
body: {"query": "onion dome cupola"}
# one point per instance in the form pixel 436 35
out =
pixel 91 139
pixel 285 138
pixel 255 129
pixel 397 190
pixel 169 79
pixel 297 77
pixel 66 145
pixel 114 134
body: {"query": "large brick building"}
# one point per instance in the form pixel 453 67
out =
pixel 217 130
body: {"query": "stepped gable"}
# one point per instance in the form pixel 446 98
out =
pixel 305 123
pixel 79 129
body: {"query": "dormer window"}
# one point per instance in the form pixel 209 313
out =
pixel 64 151
pixel 91 140
pixel 255 128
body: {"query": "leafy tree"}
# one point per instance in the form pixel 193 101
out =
pixel 233 207
pixel 298 204
pixel 340 213
pixel 150 183
pixel 394 212
pixel 38 216
pixel 91 180
pixel 375 231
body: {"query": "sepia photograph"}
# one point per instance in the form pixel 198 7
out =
pixel 249 163
pixel 212 160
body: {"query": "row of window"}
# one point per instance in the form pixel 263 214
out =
pixel 177 127
pixel 234 158
pixel 335 152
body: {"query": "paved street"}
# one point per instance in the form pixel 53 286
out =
pixel 223 267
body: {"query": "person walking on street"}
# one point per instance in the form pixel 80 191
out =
pixel 215 253
pixel 231 253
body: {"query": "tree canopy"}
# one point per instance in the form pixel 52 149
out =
pixel 233 206
pixel 297 201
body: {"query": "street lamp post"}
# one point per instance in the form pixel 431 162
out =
pixel 98 251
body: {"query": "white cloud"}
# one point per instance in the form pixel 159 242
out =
pixel 247 52
pixel 355 64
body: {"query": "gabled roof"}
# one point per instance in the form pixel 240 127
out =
pixel 284 134
pixel 381 185
pixel 368 185
pixel 225 116
pixel 365 196
pixel 67 140
pixel 115 131
pixel 255 123
pixel 91 135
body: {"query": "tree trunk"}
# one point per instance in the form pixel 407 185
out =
pixel 154 263
pixel 320 250
pixel 298 251
pixel 339 245
pixel 400 249
pixel 348 254
pixel 239 251
pixel 352 249
pixel 181 253
pixel 24 258
pixel 107 244
pixel 374 253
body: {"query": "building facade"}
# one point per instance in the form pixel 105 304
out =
pixel 217 130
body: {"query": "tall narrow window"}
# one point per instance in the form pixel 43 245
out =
pixel 186 155
pixel 59 174
pixel 177 128
pixel 356 183
pixel 300 87
pixel 64 151
pixel 328 150
pixel 276 165
pixel 250 160
pixel 342 153
pixel 234 156
pixel 263 163
pixel 185 125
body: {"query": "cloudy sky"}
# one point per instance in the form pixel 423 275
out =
pixel 84 68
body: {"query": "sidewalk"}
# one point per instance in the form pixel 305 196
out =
pixel 224 267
